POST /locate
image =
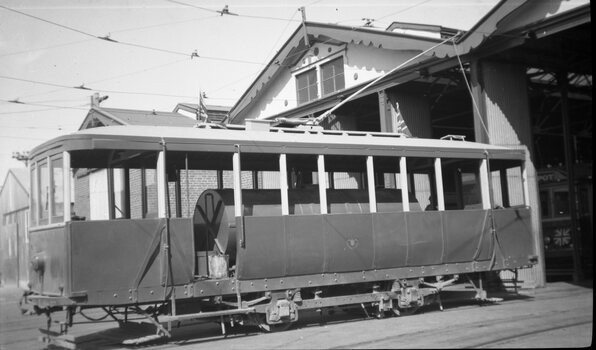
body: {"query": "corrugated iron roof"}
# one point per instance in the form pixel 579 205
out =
pixel 140 117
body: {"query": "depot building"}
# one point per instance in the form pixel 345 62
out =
pixel 521 77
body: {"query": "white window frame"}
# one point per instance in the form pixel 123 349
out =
pixel 317 66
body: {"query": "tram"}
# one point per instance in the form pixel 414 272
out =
pixel 254 224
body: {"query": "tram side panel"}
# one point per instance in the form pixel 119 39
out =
pixel 314 244
pixel 49 268
pixel 514 236
pixel 112 262
pixel 466 236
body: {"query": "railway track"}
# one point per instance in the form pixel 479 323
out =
pixel 550 315
pixel 462 325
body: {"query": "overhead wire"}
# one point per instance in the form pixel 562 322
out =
pixel 32 111
pixel 264 63
pixel 23 137
pixel 110 78
pixel 228 14
pixel 48 21
pixel 107 38
pixel 82 87
pixel 404 10
pixel 45 48
pixel 114 31
pixel 17 102
pixel 59 128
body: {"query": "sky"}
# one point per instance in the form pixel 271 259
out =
pixel 52 59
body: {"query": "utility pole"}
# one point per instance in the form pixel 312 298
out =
pixel 96 99
pixel 303 11
pixel 21 156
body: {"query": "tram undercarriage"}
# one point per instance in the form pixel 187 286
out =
pixel 270 311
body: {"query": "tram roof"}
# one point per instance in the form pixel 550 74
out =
pixel 274 140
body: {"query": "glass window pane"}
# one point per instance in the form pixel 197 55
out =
pixel 303 192
pixel 57 190
pixel 507 182
pixel 422 186
pixel 44 193
pixel 306 86
pixel 34 196
pixel 150 193
pixel 515 182
pixel 333 76
pixel 561 203
pixel 461 183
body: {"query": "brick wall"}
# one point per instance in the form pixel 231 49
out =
pixel 198 181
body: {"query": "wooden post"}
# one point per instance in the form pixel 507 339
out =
pixel 485 184
pixel 439 185
pixel 403 180
pixel 322 183
pixel 370 176
pixel 66 184
pixel 283 184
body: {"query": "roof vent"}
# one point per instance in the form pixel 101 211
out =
pixel 258 124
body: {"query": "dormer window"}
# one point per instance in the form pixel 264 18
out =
pixel 332 76
pixel 306 86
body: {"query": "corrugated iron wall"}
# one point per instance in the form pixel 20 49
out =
pixel 502 93
pixel 415 110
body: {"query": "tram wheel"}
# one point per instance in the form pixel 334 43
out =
pixel 405 311
pixel 261 322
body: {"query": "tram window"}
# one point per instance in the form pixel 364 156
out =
pixel 303 191
pixel 561 203
pixel 249 179
pixel 57 190
pixel 44 192
pixel 195 172
pixel 150 195
pixel 136 190
pixel 198 181
pixel 269 180
pixel 260 184
pixel 461 183
pixel 34 195
pixel 422 185
pixel 346 191
pixel 346 172
pixel 507 183
pixel 129 186
pixel 388 185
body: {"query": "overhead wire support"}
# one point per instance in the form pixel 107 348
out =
pixel 108 39
pixel 226 11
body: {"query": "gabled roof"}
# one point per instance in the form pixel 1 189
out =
pixel 295 48
pixel 99 116
pixel 10 198
pixel 512 21
pixel 22 177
